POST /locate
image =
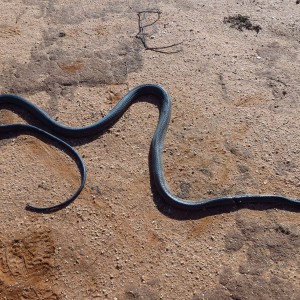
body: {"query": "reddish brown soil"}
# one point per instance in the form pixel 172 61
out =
pixel 234 129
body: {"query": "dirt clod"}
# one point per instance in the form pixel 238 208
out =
pixel 241 22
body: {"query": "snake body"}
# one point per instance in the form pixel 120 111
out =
pixel 156 167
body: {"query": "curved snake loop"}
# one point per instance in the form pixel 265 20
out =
pixel 156 147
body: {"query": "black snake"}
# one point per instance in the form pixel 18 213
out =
pixel 156 148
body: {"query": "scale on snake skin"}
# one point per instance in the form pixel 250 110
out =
pixel 156 148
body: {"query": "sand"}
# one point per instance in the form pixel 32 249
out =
pixel 232 70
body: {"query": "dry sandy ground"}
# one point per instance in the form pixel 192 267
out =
pixel 234 129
